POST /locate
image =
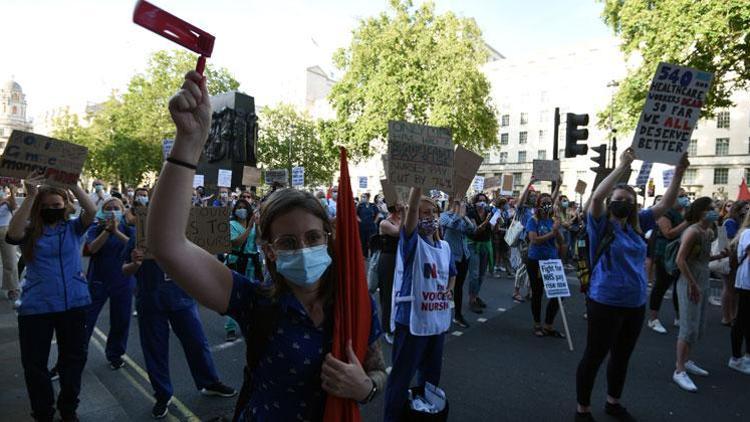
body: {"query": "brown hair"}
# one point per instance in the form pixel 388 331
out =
pixel 34 229
pixel 633 217
pixel 284 201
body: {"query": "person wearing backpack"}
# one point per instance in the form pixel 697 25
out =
pixel 616 302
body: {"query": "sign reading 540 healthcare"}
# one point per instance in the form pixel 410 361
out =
pixel 60 162
pixel 672 108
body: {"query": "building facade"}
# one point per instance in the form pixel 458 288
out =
pixel 12 112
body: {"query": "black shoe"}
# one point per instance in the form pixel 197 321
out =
pixel 461 322
pixel 618 412
pixel 475 307
pixel 160 409
pixel 71 417
pixel 481 303
pixel 584 417
pixel 219 389
pixel 116 364
pixel 231 336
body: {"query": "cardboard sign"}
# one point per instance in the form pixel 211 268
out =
pixel 507 183
pixel 667 177
pixel 581 187
pixel 478 183
pixel 59 161
pixel 277 176
pixel 225 178
pixel 420 156
pixel 250 176
pixel 208 228
pixel 166 147
pixel 672 108
pixel 547 170
pixel 198 180
pixel 644 173
pixel 492 182
pixel 553 275
pixel 394 194
pixel 466 165
pixel 298 176
pixel 362 182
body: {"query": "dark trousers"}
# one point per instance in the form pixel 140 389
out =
pixel 420 355
pixel 741 324
pixel 462 268
pixel 662 283
pixel 120 309
pixel 386 266
pixel 612 330
pixel 35 337
pixel 537 293
pixel 154 330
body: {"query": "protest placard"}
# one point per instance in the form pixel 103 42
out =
pixel 277 176
pixel 493 182
pixel 298 176
pixel 250 176
pixel 225 178
pixel 507 188
pixel 60 162
pixel 7 181
pixel 393 193
pixel 553 275
pixel 166 147
pixel 198 180
pixel 548 170
pixel 644 173
pixel 208 228
pixel 363 182
pixel 581 187
pixel 420 156
pixel 673 105
pixel 667 177
pixel 466 165
pixel 478 183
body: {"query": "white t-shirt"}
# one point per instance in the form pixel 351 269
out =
pixel 742 281
pixel 5 214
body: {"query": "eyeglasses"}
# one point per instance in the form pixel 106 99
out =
pixel 310 239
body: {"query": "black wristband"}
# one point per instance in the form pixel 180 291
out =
pixel 181 163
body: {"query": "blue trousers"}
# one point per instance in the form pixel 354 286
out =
pixel 120 309
pixel 420 355
pixel 153 326
pixel 478 262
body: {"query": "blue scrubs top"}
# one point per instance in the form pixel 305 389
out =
pixel 106 264
pixel 546 250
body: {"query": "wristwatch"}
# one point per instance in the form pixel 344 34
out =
pixel 372 393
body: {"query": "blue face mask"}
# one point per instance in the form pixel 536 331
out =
pixel 110 215
pixel 683 201
pixel 143 200
pixel 506 207
pixel 241 213
pixel 712 216
pixel 564 204
pixel 427 226
pixel 303 267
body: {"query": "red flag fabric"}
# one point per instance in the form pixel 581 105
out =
pixel 744 194
pixel 352 310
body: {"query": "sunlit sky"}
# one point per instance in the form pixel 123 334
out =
pixel 70 52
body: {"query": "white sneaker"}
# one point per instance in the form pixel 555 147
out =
pixel 655 325
pixel 694 369
pixel 676 322
pixel 714 300
pixel 739 365
pixel 683 380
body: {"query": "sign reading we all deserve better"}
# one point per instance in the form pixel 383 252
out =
pixel 58 161
pixel 672 109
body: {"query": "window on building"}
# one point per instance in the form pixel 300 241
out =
pixel 505 120
pixel 503 157
pixel 524 118
pixel 541 154
pixel 542 135
pixel 722 146
pixel 693 148
pixel 722 120
pixel 691 175
pixel 523 137
pixel 486 157
pixel 503 139
pixel 581 175
pixel 561 153
pixel 517 179
pixel 747 175
pixel 521 156
pixel 15 110
pixel 721 176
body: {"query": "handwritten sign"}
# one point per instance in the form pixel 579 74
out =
pixel 546 170
pixel 478 183
pixel 250 176
pixel 225 178
pixel 553 275
pixel 363 182
pixel 393 193
pixel 507 187
pixel 465 167
pixel 60 162
pixel 298 176
pixel 644 173
pixel 420 156
pixel 166 147
pixel 277 176
pixel 492 182
pixel 672 108
pixel 581 187
pixel 198 180
pixel 208 228
pixel 667 177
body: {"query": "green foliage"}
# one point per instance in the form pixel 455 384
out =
pixel 709 35
pixel 311 142
pixel 416 66
pixel 125 133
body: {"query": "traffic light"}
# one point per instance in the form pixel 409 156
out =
pixel 573 134
pixel 601 160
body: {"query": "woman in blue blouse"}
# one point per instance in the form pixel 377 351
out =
pixel 289 325
pixel 616 302
pixel 54 296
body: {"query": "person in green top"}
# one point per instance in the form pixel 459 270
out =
pixel 240 259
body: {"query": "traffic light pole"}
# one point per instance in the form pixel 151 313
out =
pixel 555 141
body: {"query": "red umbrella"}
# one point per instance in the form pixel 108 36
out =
pixel 352 310
pixel 744 194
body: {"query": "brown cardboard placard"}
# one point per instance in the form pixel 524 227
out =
pixel 250 176
pixel 507 183
pixel 420 156
pixel 208 228
pixel 61 162
pixel 581 187
pixel 547 170
pixel 466 164
pixel 492 182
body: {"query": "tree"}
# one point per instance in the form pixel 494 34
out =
pixel 708 35
pixel 416 66
pixel 125 133
pixel 311 142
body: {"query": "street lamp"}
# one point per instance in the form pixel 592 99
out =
pixel 612 84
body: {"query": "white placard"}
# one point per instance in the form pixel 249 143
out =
pixel 277 176
pixel 495 217
pixel 198 180
pixel 478 183
pixel 298 176
pixel 555 282
pixel 363 182
pixel 225 178
pixel 667 177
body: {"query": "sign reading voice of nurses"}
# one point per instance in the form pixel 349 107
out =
pixel 420 156
pixel 298 176
pixel 60 162
pixel 553 275
pixel 672 108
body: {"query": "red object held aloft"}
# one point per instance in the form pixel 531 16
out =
pixel 744 193
pixel 173 28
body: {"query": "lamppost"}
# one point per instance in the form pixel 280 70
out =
pixel 612 130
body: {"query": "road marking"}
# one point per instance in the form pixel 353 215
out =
pixel 457 333
pixel 482 320
pixel 190 416
pixel 226 345
pixel 501 309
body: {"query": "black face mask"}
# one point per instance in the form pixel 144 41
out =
pixel 620 209
pixel 52 215
pixel 547 208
